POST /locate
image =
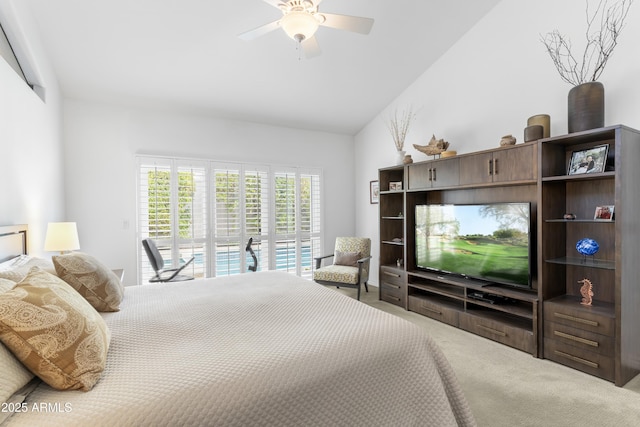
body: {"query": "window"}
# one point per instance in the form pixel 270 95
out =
pixel 6 51
pixel 209 210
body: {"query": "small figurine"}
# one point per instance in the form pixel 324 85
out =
pixel 433 148
pixel 586 291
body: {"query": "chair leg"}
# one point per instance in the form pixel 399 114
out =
pixel 366 288
pixel 359 291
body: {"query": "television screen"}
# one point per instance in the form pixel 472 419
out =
pixel 490 242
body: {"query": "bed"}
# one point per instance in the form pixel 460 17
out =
pixel 262 348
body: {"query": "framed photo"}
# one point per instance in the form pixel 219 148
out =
pixel 604 213
pixel 374 192
pixel 395 186
pixel 591 160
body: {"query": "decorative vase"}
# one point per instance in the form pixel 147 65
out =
pixel 533 133
pixel 507 140
pixel 586 107
pixel 400 157
pixel 543 120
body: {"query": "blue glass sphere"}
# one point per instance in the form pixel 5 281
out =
pixel 587 246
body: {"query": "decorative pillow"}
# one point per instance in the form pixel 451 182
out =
pixel 17 268
pixel 14 374
pixel 346 258
pixel 99 285
pixel 54 332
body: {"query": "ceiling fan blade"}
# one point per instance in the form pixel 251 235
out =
pixel 274 3
pixel 260 31
pixel 310 47
pixel 356 24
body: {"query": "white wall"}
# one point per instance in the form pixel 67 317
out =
pixel 32 189
pixel 101 142
pixel 489 83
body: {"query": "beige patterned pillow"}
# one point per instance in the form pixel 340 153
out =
pixel 14 374
pixel 99 285
pixel 54 332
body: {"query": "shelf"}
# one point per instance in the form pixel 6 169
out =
pixel 392 217
pixel 391 192
pixel 580 177
pixel 440 289
pixel 605 221
pixel 582 262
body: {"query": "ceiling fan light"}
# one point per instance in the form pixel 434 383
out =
pixel 299 25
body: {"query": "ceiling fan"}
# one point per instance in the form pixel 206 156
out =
pixel 301 19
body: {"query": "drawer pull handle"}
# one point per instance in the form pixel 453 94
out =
pixel 392 274
pixel 392 297
pixel 577 339
pixel 389 285
pixel 432 310
pixel 578 359
pixel 491 330
pixel 576 319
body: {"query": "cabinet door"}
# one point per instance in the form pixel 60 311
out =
pixel 445 173
pixel 515 164
pixel 476 169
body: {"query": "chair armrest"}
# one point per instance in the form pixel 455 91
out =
pixel 177 271
pixel 362 260
pixel 361 277
pixel 319 260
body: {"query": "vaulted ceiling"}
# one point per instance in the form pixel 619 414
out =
pixel 185 55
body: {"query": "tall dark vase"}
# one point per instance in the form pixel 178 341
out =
pixel 586 107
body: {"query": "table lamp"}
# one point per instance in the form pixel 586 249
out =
pixel 62 237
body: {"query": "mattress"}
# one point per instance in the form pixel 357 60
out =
pixel 257 349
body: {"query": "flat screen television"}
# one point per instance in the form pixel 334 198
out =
pixel 489 242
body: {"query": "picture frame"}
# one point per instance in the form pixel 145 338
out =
pixel 374 192
pixel 604 213
pixel 590 160
pixel 395 186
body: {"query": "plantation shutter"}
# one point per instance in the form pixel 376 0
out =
pixel 209 210
pixel 256 222
pixel 285 221
pixel 310 221
pixel 192 217
pixel 226 219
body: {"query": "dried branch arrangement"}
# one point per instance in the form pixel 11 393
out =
pixel 603 29
pixel 398 124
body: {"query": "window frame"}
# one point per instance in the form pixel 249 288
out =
pixel 211 241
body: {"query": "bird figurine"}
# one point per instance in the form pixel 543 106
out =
pixel 434 147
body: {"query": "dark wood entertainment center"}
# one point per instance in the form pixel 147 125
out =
pixel 548 320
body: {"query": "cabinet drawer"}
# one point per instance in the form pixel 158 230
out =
pixel 391 275
pixel 390 292
pixel 579 338
pixel 521 339
pixel 579 317
pixel 585 361
pixel 434 310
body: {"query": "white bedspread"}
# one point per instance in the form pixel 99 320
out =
pixel 257 349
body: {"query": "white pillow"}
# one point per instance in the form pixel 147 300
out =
pixel 17 268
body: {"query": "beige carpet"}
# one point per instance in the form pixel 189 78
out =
pixel 507 387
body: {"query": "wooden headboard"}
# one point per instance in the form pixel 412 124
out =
pixel 13 241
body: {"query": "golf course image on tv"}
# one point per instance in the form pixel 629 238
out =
pixel 490 242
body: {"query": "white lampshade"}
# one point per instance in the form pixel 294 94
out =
pixel 299 25
pixel 62 237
